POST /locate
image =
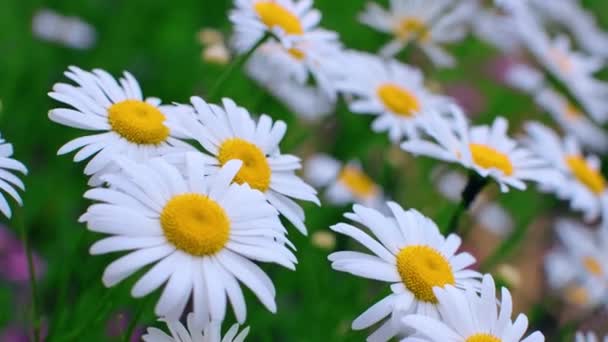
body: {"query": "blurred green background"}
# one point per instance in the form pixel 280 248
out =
pixel 156 41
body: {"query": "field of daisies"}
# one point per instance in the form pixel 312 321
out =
pixel 299 170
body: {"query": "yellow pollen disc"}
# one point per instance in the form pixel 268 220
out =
pixel 357 182
pixel 483 338
pixel 275 15
pixel 296 53
pixel 412 27
pixel 398 100
pixel 195 224
pixel 421 268
pixel 577 295
pixel 572 113
pixel 255 170
pixel 138 122
pixel 586 174
pixel 489 158
pixel 593 266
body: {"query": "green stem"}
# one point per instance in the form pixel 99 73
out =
pixel 474 186
pixel 134 320
pixel 236 64
pixel 20 223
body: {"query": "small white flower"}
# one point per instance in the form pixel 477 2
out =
pixel 122 121
pixel 345 184
pixel 496 29
pixel 485 149
pixel 469 317
pixel 392 91
pixel 193 333
pixel 287 20
pixel 429 23
pixel 589 337
pixel 582 182
pixel 72 32
pixel 410 253
pixel 200 234
pixel 572 120
pixel 230 133
pixel 9 183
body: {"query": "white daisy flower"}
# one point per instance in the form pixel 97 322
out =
pixel 316 57
pixel 122 121
pixel 589 337
pixel 287 20
pixel 469 317
pixel 192 333
pixel 200 234
pixel 229 133
pixel 496 29
pixel 572 120
pixel 582 182
pixel 494 218
pixel 485 149
pixel 71 32
pixel 345 184
pixel 410 253
pixel 9 183
pixel 392 91
pixel 429 23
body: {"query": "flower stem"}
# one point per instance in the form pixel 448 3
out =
pixel 20 223
pixel 236 64
pixel 474 186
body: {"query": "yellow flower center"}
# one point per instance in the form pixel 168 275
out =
pixel 421 268
pixel 138 122
pixel 411 27
pixel 586 174
pixel 195 224
pixel 357 182
pixel 398 100
pixel 593 266
pixel 296 53
pixel 255 170
pixel 489 158
pixel 577 295
pixel 483 338
pixel 572 113
pixel 563 61
pixel 275 15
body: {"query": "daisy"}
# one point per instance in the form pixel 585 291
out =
pixel 122 121
pixel 179 333
pixel 589 337
pixel 392 91
pixel 9 183
pixel 230 133
pixel 200 234
pixel 315 58
pixel 469 317
pixel 287 20
pixel 582 182
pixel 429 23
pixel 409 252
pixel 345 184
pixel 487 150
pixel 572 120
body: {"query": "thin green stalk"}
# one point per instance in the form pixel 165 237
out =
pixel 236 64
pixel 20 224
pixel 474 186
pixel 135 319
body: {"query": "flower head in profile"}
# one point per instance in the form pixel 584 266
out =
pixel 429 24
pixel 408 252
pixel 286 20
pixel 200 233
pixel 344 184
pixel 230 133
pixel 194 333
pixel 9 183
pixel 122 122
pixel 392 91
pixel 582 182
pixel 485 149
pixel 469 317
pixel 589 336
